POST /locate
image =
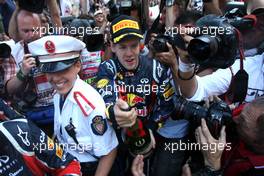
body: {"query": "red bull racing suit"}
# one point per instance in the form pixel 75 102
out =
pixel 26 150
pixel 148 88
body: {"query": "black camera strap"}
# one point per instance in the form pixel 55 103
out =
pixel 239 84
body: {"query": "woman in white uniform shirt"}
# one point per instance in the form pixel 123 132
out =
pixel 80 122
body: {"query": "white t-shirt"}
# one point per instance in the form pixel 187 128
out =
pixel 218 82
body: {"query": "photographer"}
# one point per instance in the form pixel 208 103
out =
pixel 245 158
pixel 198 88
pixel 33 7
pixel 212 159
pixel 31 91
pixel 173 131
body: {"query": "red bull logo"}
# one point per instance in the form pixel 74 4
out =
pixel 133 99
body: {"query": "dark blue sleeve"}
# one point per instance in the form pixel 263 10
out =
pixel 165 92
pixel 105 84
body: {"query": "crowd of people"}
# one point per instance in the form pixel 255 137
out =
pixel 126 87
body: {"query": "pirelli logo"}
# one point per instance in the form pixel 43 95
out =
pixel 125 24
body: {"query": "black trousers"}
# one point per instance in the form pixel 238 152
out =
pixel 167 161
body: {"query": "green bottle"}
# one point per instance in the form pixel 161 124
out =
pixel 138 139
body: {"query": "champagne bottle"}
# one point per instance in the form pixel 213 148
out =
pixel 138 139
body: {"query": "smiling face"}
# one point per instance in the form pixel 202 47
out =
pixel 127 52
pixel 63 81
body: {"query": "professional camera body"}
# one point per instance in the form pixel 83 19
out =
pixel 217 115
pixel 160 42
pixel 218 48
pixel 215 44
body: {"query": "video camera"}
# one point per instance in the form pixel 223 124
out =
pixel 217 115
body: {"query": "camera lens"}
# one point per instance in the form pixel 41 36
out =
pixel 203 47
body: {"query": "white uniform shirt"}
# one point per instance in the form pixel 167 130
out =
pixel 98 145
pixel 219 82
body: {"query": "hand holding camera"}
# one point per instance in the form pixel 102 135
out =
pixel 169 57
pixel 217 115
pixel 212 158
pixel 28 63
pixel 176 44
